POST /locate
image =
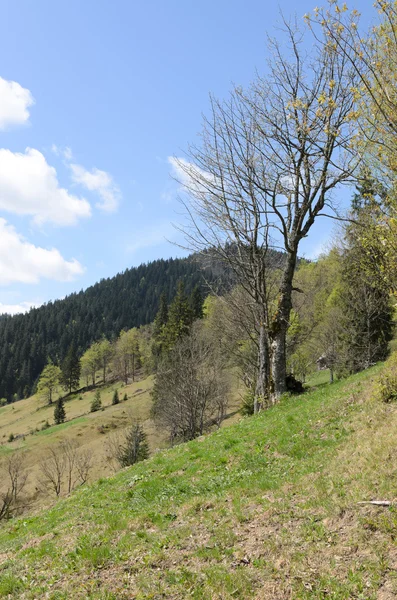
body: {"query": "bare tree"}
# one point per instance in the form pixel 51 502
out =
pixel 53 470
pixel 112 448
pixel 264 171
pixel 69 448
pixel 15 478
pixel 190 392
pixel 83 464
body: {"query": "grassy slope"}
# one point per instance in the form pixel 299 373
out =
pixel 25 419
pixel 266 508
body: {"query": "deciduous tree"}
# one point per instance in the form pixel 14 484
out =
pixel 269 160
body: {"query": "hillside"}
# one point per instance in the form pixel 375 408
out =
pixel 25 422
pixel 266 508
pixel 129 299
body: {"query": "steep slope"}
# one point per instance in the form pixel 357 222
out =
pixel 127 300
pixel 267 508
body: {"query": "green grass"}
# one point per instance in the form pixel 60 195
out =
pixel 61 427
pixel 266 508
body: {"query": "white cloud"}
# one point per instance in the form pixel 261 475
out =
pixel 100 182
pixel 21 261
pixel 14 103
pixel 29 186
pixel 14 309
pixel 190 177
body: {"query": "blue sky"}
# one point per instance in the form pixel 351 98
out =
pixel 104 93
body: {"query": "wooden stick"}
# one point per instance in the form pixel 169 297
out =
pixel 378 502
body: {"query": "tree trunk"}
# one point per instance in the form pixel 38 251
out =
pixel 262 382
pixel 278 365
pixel 278 331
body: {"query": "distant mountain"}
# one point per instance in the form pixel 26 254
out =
pixel 129 299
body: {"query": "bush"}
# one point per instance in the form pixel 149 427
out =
pixel 45 426
pixel 247 407
pixel 11 437
pixel 116 398
pixel 125 397
pixel 96 403
pixel 387 383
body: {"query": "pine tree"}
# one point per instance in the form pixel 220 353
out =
pixel 71 370
pixel 179 318
pixel 162 316
pixel 136 447
pixel 125 397
pixel 116 398
pixel 196 302
pixel 96 403
pixel 59 412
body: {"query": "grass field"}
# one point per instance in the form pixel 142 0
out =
pixel 266 508
pixel 26 418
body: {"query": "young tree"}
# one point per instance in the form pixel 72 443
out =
pixel 53 470
pixel 83 465
pixel 105 352
pixel 269 160
pixel 96 403
pixel 59 412
pixel 191 391
pixel 69 448
pixel 134 448
pixel 90 362
pixel 127 355
pixel 49 382
pixel 71 370
pixel 115 399
pixel 14 479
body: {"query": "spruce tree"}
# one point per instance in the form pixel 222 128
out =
pixel 96 403
pixel 162 316
pixel 116 398
pixel 136 447
pixel 59 412
pixel 71 370
pixel 179 318
pixel 196 302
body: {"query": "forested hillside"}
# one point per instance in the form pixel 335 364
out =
pixel 129 299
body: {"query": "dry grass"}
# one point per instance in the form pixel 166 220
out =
pixel 90 431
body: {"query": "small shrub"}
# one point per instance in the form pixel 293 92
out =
pixel 96 403
pixel 116 398
pixel 11 437
pixel 3 401
pixel 247 407
pixel 387 382
pixel 125 397
pixel 45 425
